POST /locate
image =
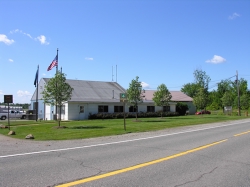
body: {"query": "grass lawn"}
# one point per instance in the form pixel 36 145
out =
pixel 46 130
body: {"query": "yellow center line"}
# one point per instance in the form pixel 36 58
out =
pixel 137 166
pixel 242 133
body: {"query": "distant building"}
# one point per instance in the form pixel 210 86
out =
pixel 4 108
pixel 98 96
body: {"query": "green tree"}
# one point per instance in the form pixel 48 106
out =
pixel 26 106
pixel 162 96
pixel 223 87
pixel 227 99
pixel 244 102
pixel 214 100
pixel 190 89
pixel 200 100
pixel 135 93
pixel 242 87
pixel 202 79
pixel 57 92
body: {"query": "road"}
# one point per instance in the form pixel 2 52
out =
pixel 203 155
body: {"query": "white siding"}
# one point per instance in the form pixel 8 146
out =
pixel 47 112
pixel 92 108
pixel 72 110
pixel 66 115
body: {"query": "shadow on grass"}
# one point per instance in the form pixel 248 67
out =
pixel 163 120
pixel 182 118
pixel 86 127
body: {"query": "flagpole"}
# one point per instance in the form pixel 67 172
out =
pixel 60 115
pixel 56 73
pixel 37 92
pixel 57 60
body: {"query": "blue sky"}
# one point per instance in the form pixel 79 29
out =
pixel 161 41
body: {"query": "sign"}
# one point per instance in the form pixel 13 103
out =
pixel 123 96
pixel 228 108
pixel 8 98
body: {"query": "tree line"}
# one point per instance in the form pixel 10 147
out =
pixel 228 93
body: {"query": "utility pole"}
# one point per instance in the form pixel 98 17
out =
pixel 237 82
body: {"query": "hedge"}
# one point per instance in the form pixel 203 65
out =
pixel 131 115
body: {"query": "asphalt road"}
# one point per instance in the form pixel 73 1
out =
pixel 203 155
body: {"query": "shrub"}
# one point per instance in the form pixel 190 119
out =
pixel 181 108
pixel 131 115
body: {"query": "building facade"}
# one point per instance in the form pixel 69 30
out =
pixel 90 97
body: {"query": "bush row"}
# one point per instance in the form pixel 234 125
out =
pixel 131 115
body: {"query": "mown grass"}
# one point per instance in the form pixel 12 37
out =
pixel 46 130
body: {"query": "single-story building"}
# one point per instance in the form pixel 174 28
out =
pixel 177 96
pixel 98 96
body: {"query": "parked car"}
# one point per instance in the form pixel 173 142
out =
pixel 203 112
pixel 13 114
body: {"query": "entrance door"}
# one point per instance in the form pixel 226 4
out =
pixel 81 112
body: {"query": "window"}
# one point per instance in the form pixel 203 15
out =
pixel 166 108
pixel 118 108
pixel 150 108
pixel 133 109
pixel 81 109
pixel 103 108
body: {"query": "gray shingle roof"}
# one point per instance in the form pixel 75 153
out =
pixel 99 91
pixel 94 91
pixel 177 96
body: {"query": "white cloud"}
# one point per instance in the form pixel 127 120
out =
pixel 88 58
pixel 42 39
pixel 20 31
pixel 4 39
pixel 233 16
pixel 144 85
pixel 21 93
pixel 1 92
pixel 14 31
pixel 216 60
pixel 10 60
pixel 28 35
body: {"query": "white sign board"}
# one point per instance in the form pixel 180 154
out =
pixel 228 108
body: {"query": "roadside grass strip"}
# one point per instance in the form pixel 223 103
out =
pixel 138 166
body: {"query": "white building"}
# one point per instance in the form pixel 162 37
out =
pixel 97 96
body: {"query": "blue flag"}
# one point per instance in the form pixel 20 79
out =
pixel 36 77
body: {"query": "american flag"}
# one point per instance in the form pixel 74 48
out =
pixel 53 63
